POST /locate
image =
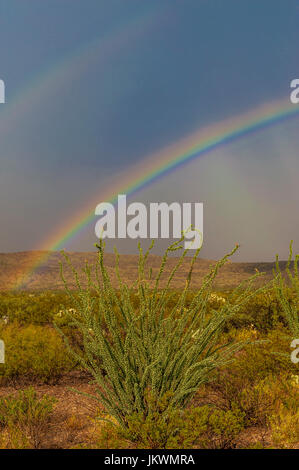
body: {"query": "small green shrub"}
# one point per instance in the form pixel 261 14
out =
pixel 33 352
pixel 165 426
pixel 261 400
pixel 260 360
pixel 257 383
pixel 284 426
pixel 31 308
pixel 170 428
pixel 224 426
pixel 262 312
pixel 24 418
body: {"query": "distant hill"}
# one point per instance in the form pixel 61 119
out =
pixel 47 276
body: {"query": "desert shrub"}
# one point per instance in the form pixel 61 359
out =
pixel 269 355
pixel 171 428
pixel 259 380
pixel 165 426
pixel 262 312
pixel 224 426
pixel 11 437
pixel 108 436
pixel 24 418
pixel 261 400
pixel 284 427
pixel 31 308
pixel 132 351
pixel 288 295
pixel 33 352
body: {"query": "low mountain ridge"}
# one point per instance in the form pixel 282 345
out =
pixel 46 276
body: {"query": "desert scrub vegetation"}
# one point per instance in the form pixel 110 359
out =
pixel 284 426
pixel 288 292
pixel 173 428
pixel 173 368
pixel 262 312
pixel 24 419
pixel 38 308
pixel 33 353
pixel 152 349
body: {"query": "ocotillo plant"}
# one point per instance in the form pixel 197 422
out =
pixel 161 346
pixel 290 306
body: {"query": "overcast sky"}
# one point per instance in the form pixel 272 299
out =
pixel 93 86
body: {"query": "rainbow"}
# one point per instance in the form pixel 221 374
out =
pixel 53 78
pixel 161 163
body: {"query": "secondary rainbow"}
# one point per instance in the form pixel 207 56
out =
pixel 161 163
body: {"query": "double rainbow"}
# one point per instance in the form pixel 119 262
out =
pixel 161 163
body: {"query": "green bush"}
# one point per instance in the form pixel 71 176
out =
pixel 284 426
pixel 269 355
pixel 170 428
pixel 33 352
pixel 25 418
pixel 259 380
pixel 31 308
pixel 164 426
pixel 262 312
pixel 224 427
